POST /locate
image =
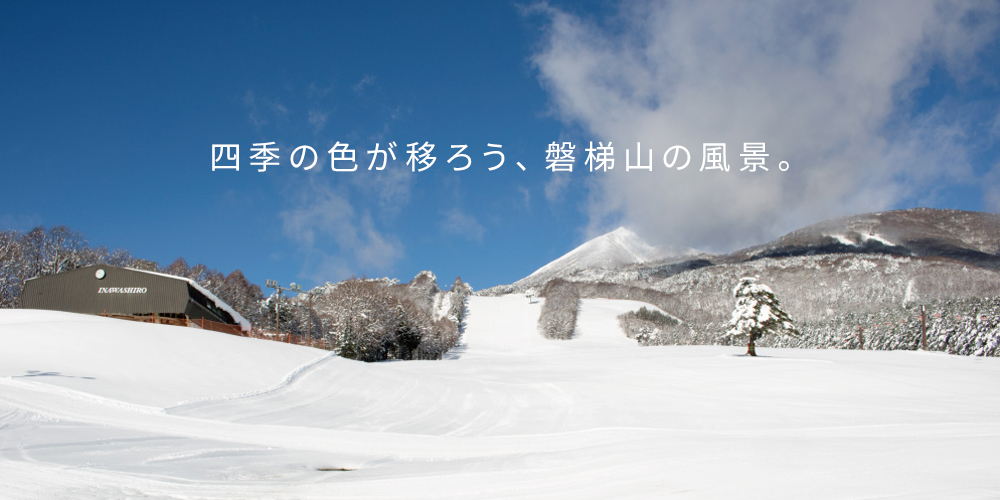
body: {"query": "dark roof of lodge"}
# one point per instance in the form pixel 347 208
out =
pixel 118 290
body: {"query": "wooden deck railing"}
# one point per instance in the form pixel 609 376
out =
pixel 288 338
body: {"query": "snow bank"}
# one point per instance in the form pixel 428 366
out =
pixel 141 363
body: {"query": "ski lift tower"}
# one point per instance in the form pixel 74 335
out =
pixel 277 305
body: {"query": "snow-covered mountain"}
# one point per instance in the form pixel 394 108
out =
pixel 960 237
pixel 971 237
pixel 834 275
pixel 617 249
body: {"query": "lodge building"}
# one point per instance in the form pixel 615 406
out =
pixel 132 294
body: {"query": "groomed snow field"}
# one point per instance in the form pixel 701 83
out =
pixel 97 408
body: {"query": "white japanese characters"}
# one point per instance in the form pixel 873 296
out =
pixel 753 156
pixel 265 155
pixel 559 157
pixel 676 150
pixel 227 154
pixel 638 159
pixel 302 157
pixel 713 156
pixel 603 159
pixel 339 152
pixel 375 153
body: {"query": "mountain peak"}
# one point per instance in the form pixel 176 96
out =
pixel 619 248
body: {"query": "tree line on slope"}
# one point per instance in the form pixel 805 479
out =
pixel 377 320
pixel 967 326
pixel 813 288
pixel 558 317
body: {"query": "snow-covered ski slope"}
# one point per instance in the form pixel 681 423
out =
pixel 95 408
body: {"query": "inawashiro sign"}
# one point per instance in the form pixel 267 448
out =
pixel 120 290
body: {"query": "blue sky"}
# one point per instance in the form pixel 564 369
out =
pixel 108 113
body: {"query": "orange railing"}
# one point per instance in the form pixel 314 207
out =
pixel 288 338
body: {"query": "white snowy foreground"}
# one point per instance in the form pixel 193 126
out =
pixel 102 408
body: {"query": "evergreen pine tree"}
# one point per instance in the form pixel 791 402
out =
pixel 757 313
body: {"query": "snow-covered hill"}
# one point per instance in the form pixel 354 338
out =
pixel 972 237
pixel 834 275
pixel 620 256
pixel 95 408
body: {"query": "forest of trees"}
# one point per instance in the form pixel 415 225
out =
pixel 647 326
pixel 376 320
pixel 969 325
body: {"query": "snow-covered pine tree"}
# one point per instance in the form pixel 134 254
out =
pixel 460 292
pixel 407 336
pixel 757 313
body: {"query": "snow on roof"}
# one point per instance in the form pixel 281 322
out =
pixel 237 317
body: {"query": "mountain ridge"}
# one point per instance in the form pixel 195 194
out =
pixel 971 237
pixel 965 237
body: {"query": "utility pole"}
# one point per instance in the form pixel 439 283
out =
pixel 309 315
pixel 311 294
pixel 923 327
pixel 277 305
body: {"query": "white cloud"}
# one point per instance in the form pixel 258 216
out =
pixel 526 194
pixel 314 91
pixel 366 81
pixel 390 188
pixel 326 218
pixel 822 84
pixel 991 188
pixel 459 223
pixel 19 222
pixel 374 249
pixel 991 182
pixel 556 185
pixel 317 119
pixel 260 109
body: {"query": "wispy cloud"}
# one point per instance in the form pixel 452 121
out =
pixel 460 223
pixel 317 119
pixel 824 85
pixel 390 189
pixel 364 82
pixel 526 194
pixel 991 188
pixel 336 235
pixel 316 91
pixel 260 110
pixel 556 186
pixel 19 222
